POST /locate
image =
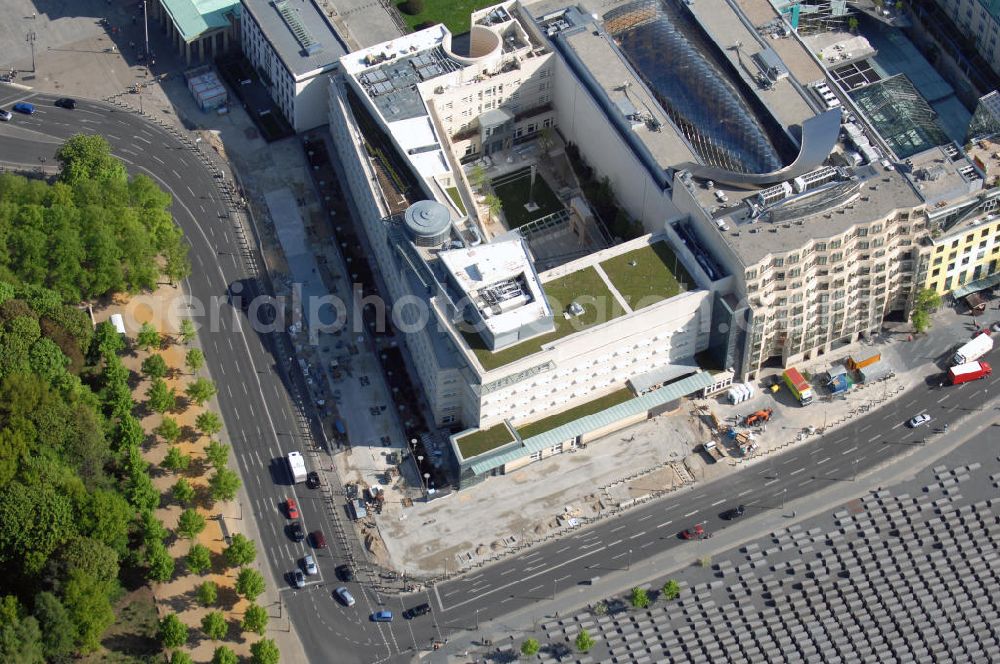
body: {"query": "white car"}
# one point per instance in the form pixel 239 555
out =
pixel 996 326
pixel 919 420
pixel 310 565
pixel 5 115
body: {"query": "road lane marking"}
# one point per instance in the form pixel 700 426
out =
pixel 690 514
pixel 770 482
pixel 864 428
pixel 796 471
pixel 616 542
pixel 718 502
pixel 852 449
pixel 665 523
pixel 643 518
pixel 623 553
pixel 637 535
pixel 822 461
pixel 592 544
pixel 649 543
pixel 874 438
pixel 898 425
pixel 516 581
pixel 944 397
pixel 743 493
pixel 615 530
pixel 805 482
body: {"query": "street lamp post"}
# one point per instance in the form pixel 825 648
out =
pixel 145 25
pixel 783 491
pixel 30 38
pixel 629 564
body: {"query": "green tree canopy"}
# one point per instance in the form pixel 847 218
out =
pixel 176 460
pixel 224 484
pixel 639 598
pixel 224 655
pixel 249 583
pixel 194 359
pixel 255 619
pixel 530 647
pixel 33 522
pixel 208 593
pixel 190 523
pixel 172 632
pixel 155 366
pixel 217 453
pixel 168 430
pixel 584 642
pixel 214 625
pixel 209 423
pixel 264 651
pixel 159 561
pixel 56 626
pixel 148 337
pixel 241 551
pixel 182 491
pixel 20 637
pixel 199 559
pixel 187 332
pixel 671 590
pixel 88 157
pixel 200 390
pixel 161 398
pixel 181 657
pixel 88 602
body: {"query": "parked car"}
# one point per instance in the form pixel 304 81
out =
pixel 695 532
pixel 292 508
pixel 345 573
pixel 919 420
pixel 66 102
pixel 382 616
pixel 5 115
pixel 298 579
pixel 995 327
pixel 24 107
pixel 318 539
pixel 296 531
pixel 344 596
pixel 309 563
pixel 418 610
pixel 734 513
pixel 312 479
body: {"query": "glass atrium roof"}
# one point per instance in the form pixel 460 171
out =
pixel 901 116
pixel 667 49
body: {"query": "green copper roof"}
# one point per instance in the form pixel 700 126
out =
pixel 193 18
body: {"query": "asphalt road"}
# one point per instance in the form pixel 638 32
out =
pixel 263 424
pixel 261 419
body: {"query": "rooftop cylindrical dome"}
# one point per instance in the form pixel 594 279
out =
pixel 428 223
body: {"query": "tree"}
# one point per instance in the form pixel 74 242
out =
pixel 176 460
pixel 264 651
pixel 217 453
pixel 209 423
pixel 199 559
pixel 477 176
pixel 224 655
pixel 921 321
pixel 55 625
pixel 190 524
pixel 241 551
pixel 852 24
pixel 148 337
pixel 413 7
pixel 200 391
pixel 249 583
pixel 187 331
pixel 88 603
pixel 181 657
pixel 154 366
pixel 168 430
pixel 106 341
pixel 194 359
pixel 671 590
pixel 224 484
pixel 160 564
pixel 161 398
pixel 34 521
pixel 172 632
pixel 639 598
pixel 20 638
pixel 584 642
pixel 182 492
pixel 208 593
pixel 88 157
pixel 214 625
pixel 530 647
pixel 493 205
pixel 255 619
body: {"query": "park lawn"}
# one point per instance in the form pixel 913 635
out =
pixel 453 13
pixel 657 275
pixel 456 198
pixel 513 190
pixel 586 287
pixel 484 440
pixel 597 405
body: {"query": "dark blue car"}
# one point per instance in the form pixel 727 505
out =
pixel 382 616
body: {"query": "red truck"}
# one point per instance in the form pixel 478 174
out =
pixel 963 373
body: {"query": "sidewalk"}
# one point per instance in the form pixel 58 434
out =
pixel 524 623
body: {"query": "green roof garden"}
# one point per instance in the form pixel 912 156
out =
pixel 575 413
pixel 647 275
pixel 586 288
pixel 483 440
